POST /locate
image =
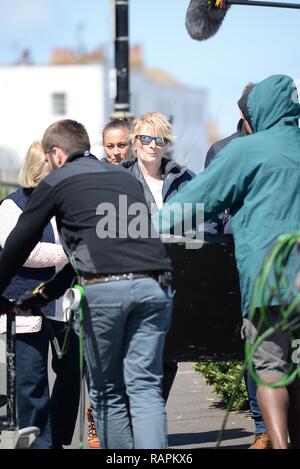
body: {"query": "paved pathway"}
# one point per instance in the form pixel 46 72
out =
pixel 194 414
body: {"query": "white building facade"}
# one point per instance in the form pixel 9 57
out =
pixel 34 96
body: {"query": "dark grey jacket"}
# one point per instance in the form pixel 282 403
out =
pixel 218 146
pixel 222 223
pixel 174 176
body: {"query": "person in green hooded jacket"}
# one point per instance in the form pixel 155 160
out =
pixel 258 176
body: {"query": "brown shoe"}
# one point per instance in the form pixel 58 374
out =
pixel 261 441
pixel 92 439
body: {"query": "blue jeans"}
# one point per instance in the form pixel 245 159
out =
pixel 56 415
pixel 254 407
pixel 125 324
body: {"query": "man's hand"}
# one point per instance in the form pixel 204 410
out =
pixel 5 305
pixel 33 300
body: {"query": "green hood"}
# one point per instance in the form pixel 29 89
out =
pixel 273 101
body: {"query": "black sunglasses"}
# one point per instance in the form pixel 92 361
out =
pixel 147 139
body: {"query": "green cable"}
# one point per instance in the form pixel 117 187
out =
pixel 80 288
pixel 277 261
pixel 264 294
pixel 60 351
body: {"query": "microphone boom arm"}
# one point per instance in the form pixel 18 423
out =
pixel 223 4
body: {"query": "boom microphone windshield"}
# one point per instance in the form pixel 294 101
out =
pixel 204 17
pixel 203 20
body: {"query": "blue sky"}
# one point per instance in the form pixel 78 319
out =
pixel 253 42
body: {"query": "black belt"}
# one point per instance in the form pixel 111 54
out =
pixel 164 278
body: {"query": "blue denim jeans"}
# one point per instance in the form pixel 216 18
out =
pixel 55 415
pixel 125 324
pixel 256 414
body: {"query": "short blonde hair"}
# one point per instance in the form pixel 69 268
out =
pixel 157 121
pixel 34 167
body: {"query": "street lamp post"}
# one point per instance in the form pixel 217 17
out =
pixel 122 98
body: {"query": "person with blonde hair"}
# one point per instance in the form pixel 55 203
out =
pixel 34 166
pixel 55 416
pixel 161 178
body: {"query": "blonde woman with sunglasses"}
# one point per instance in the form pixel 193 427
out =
pixel 161 178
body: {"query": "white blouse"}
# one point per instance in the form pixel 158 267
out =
pixel 43 255
pixel 156 187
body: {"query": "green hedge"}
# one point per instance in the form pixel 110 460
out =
pixel 223 377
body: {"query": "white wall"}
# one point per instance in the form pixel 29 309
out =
pixel 26 103
pixel 26 108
